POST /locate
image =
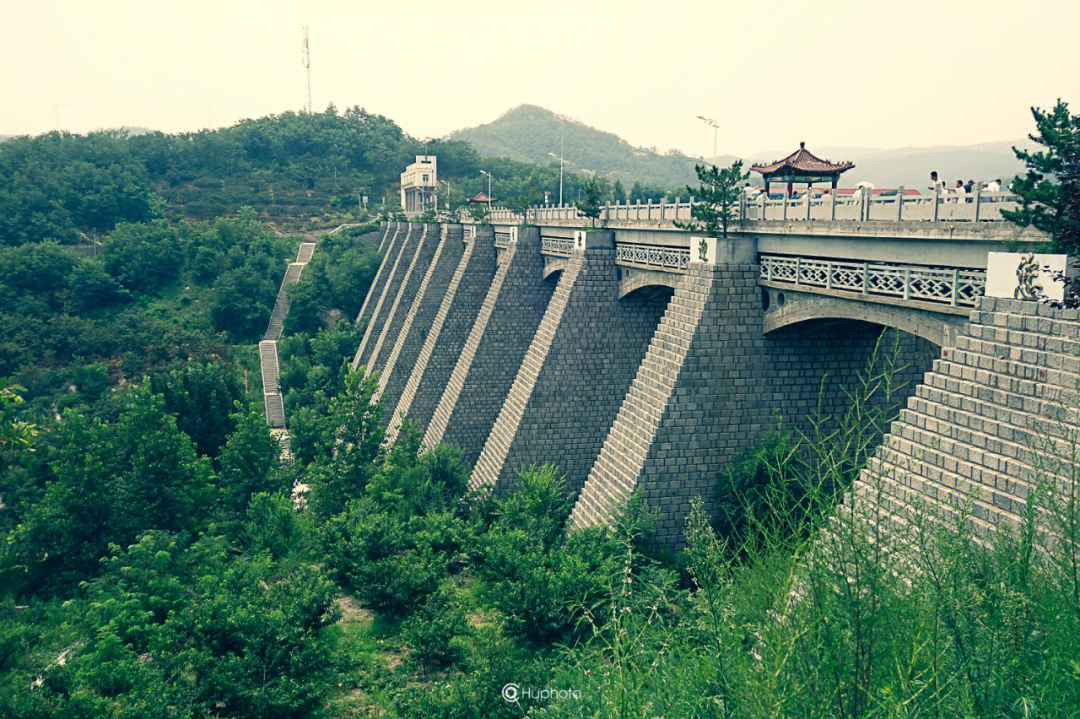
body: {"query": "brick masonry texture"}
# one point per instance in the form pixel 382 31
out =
pixel 419 263
pixel 707 390
pixel 378 285
pixel 491 355
pixel 425 305
pixel 449 330
pixel 574 376
pixel 395 278
pixel 994 409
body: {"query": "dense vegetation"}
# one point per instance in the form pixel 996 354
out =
pixel 145 577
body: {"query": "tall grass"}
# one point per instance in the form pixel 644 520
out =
pixel 819 609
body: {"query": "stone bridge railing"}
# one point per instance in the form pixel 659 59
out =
pixel 652 257
pixel 557 246
pixel 863 207
pixel 946 286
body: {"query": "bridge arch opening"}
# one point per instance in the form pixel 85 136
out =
pixel 820 365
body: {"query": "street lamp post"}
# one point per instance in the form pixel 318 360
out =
pixel 715 126
pixel 485 172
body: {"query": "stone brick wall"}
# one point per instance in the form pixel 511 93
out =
pixel 694 403
pixel 414 274
pixel 824 361
pixel 994 409
pixel 449 330
pixel 511 311
pixel 414 329
pixel 575 374
pixel 399 258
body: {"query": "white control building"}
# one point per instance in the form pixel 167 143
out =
pixel 418 185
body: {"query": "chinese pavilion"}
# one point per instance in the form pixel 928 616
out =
pixel 801 166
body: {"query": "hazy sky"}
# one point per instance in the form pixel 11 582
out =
pixel 864 73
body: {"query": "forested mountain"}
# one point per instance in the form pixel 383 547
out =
pixel 528 133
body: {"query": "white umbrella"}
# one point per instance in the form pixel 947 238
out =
pixel 867 185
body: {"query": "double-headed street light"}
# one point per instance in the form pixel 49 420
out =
pixel 715 126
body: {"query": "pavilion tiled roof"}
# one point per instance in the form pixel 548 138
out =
pixel 803 162
pixel 481 197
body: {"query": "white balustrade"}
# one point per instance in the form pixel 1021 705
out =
pixel 561 246
pixel 950 286
pixel 670 259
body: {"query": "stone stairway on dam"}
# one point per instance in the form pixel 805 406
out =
pixel 268 358
pixel 975 433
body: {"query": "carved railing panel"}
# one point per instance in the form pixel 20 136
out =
pixel 661 257
pixel 949 286
pixel 559 246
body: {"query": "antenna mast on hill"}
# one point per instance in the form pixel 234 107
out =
pixel 307 68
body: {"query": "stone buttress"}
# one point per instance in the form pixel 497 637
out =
pixel 390 243
pixel 575 373
pixel 425 305
pixel 491 355
pixel 449 329
pixel 399 257
pixel 695 401
pixel 414 274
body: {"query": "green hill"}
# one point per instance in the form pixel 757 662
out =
pixel 528 133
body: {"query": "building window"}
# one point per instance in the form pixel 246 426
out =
pixel 425 178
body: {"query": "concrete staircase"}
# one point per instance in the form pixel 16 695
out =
pixel 622 459
pixel 268 358
pixel 978 429
pixel 492 457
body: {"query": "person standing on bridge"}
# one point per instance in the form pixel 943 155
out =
pixel 937 185
pixel 961 193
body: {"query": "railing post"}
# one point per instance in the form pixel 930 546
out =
pixel 808 194
pixel 798 269
pixel 828 275
pixel 978 201
pixel 832 212
pixel 907 283
pixel 900 204
pixel 785 203
pixel 769 265
pixel 937 194
pixel 865 278
pixel 955 285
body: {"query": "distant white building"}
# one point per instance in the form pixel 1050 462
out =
pixel 418 185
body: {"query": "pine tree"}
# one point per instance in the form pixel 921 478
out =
pixel 717 194
pixel 1050 192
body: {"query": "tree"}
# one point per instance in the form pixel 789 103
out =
pixel 523 201
pixel 478 211
pixel 202 396
pixel 1050 192
pixel 717 194
pixel 589 204
pixel 618 193
pixel 249 461
pixel 16 434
